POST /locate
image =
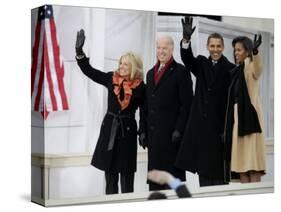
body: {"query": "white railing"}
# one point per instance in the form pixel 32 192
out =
pixel 48 161
pixel 211 191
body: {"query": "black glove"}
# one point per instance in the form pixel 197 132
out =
pixel 176 137
pixel 80 39
pixel 187 29
pixel 256 43
pixel 142 140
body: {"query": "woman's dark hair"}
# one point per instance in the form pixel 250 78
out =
pixel 247 44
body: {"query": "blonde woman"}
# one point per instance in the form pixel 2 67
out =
pixel 116 149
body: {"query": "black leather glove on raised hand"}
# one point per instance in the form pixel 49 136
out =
pixel 256 43
pixel 187 29
pixel 142 140
pixel 176 137
pixel 80 39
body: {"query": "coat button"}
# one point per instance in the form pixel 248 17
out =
pixel 128 128
pixel 209 89
pixel 153 95
pixel 151 127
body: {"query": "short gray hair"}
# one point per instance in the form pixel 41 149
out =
pixel 168 37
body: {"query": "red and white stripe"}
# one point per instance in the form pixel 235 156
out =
pixel 47 72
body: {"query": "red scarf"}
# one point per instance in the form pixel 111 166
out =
pixel 117 81
pixel 159 74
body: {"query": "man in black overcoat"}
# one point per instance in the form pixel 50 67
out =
pixel 202 145
pixel 168 99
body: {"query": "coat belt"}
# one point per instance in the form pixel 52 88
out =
pixel 117 118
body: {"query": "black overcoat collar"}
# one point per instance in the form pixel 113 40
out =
pixel 165 76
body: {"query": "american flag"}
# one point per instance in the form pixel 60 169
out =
pixel 47 71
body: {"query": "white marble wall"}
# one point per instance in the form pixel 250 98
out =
pixel 264 24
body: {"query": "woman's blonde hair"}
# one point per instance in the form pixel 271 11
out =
pixel 136 63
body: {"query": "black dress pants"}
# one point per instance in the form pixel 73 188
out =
pixel 157 187
pixel 126 181
pixel 207 181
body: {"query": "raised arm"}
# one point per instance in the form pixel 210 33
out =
pixel 165 178
pixel 257 63
pixel 83 62
pixel 187 57
pixel 187 29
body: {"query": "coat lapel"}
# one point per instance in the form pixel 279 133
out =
pixel 150 78
pixel 165 75
pixel 209 73
pixel 214 79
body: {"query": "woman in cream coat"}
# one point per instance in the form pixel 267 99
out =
pixel 244 131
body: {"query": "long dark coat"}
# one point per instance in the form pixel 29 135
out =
pixel 168 105
pixel 122 158
pixel 202 147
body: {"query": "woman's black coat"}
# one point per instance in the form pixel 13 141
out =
pixel 168 105
pixel 122 158
pixel 248 121
pixel 202 147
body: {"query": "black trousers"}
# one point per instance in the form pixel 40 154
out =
pixel 157 187
pixel 126 181
pixel 207 181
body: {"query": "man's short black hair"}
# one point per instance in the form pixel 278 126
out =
pixel 217 36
